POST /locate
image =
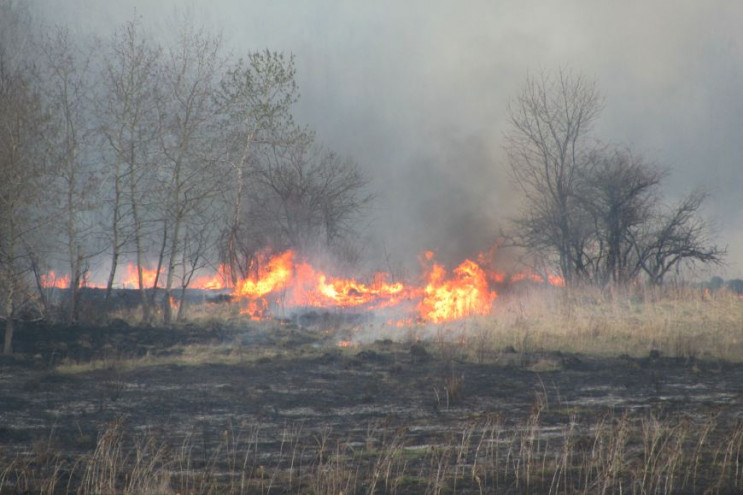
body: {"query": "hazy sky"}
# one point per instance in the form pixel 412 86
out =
pixel 416 92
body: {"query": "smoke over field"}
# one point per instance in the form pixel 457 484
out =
pixel 370 247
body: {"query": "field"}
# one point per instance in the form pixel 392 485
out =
pixel 556 392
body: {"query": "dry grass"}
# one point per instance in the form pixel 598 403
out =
pixel 677 322
pixel 674 321
pixel 609 454
pixel 581 452
pixel 187 355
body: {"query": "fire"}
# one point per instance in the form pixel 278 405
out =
pixel 320 290
pixel 287 281
pixel 299 284
pixel 132 277
pixel 217 281
pixel 175 304
pixel 449 298
pixel 442 298
pixel 51 279
pixel 273 277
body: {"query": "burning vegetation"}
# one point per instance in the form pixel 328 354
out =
pixel 146 174
pixel 286 280
pixel 224 190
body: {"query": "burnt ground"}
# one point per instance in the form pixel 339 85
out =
pixel 285 385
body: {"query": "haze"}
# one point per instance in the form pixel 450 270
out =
pixel 417 93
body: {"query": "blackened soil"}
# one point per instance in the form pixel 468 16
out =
pixel 288 375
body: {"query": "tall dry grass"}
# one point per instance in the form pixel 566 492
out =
pixel 605 454
pixel 675 321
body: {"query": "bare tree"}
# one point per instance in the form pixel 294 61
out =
pixel 678 235
pixel 306 198
pixel 597 209
pixel 22 167
pixel 130 124
pixel 188 173
pixel 68 90
pixel 620 192
pixel 255 99
pixel 197 248
pixel 547 145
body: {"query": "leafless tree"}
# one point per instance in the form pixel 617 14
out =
pixel 620 192
pixel 675 236
pixel 130 125
pixel 547 145
pixel 196 250
pixel 188 172
pixel 255 99
pixel 22 166
pixel 597 209
pixel 68 90
pixel 305 198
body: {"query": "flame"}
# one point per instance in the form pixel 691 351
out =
pixel 443 298
pixel 320 290
pixel 217 281
pixel 175 304
pixel 285 280
pixel 449 298
pixel 273 277
pixel 131 281
pixel 51 280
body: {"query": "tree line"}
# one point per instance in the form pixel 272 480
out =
pixel 174 154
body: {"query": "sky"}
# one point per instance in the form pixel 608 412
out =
pixel 417 93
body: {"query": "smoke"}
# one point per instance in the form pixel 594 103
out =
pixel 417 93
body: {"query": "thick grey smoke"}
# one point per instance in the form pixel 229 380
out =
pixel 417 92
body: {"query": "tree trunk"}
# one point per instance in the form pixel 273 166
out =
pixel 8 348
pixel 115 243
pixel 9 326
pixel 167 310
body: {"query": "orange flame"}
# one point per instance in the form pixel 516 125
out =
pixel 217 281
pixel 444 297
pixel 465 294
pixel 271 278
pixel 282 279
pixel 51 280
pixel 131 281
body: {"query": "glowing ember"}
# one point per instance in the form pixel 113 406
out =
pixel 175 304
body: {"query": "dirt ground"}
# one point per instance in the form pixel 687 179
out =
pixel 271 379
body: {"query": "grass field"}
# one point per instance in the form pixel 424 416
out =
pixel 556 392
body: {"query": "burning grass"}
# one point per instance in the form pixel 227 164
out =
pixel 682 322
